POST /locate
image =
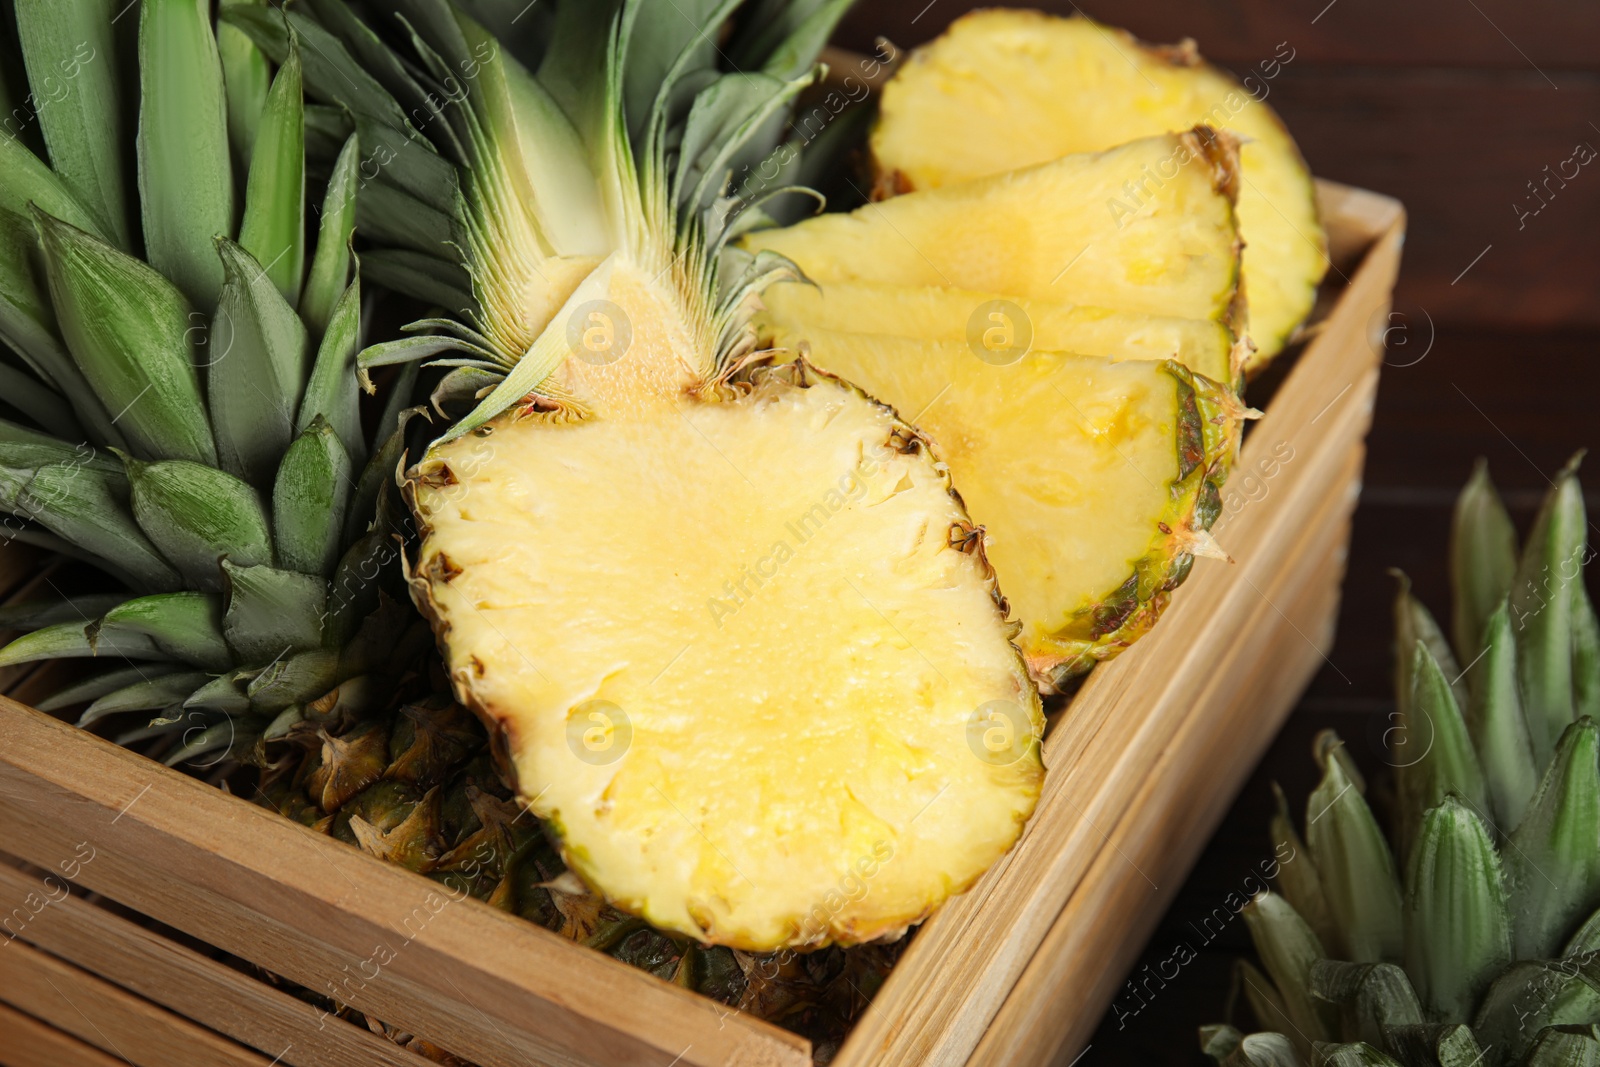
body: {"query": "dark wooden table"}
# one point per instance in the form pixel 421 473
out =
pixel 1455 107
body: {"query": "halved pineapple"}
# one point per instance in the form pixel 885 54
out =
pixel 746 657
pixel 1049 233
pixel 1003 89
pixel 1095 479
pixel 794 309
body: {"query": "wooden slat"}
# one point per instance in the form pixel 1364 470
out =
pixel 27 1042
pixel 161 970
pixel 494 988
pixel 110 1018
pixel 1059 999
pixel 946 989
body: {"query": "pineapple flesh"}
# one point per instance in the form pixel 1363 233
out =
pixel 1097 475
pixel 1004 89
pixel 784 689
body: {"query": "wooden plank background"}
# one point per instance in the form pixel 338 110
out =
pixel 1452 106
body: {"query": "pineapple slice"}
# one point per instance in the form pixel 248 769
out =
pixel 792 309
pixel 1095 479
pixel 1003 89
pixel 789 716
pixel 1046 233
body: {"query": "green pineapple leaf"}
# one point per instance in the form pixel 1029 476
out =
pixel 69 640
pixel 71 55
pixel 196 515
pixel 1553 859
pixel 1298 880
pixel 96 686
pixel 1458 933
pixel 1413 622
pixel 1435 1045
pixel 185 625
pixel 257 368
pixel 130 331
pixel 309 500
pixel 1530 996
pixel 1585 653
pixel 1219 1041
pixel 1358 1054
pixel 1586 940
pixel 1357 870
pixel 247 78
pixel 1498 728
pixel 330 266
pixel 185 174
pixel 1483 560
pixel 1370 997
pixel 1542 610
pixel 27 183
pixel 1288 948
pixel 146 694
pixel 84 505
pixel 272 613
pixel 1565 1046
pixel 1437 758
pixel 332 394
pixel 274 226
pixel 224 693
pixel 1265 1002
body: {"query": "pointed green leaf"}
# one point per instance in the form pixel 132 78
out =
pixel 1263 997
pixel 39 403
pixel 333 394
pixel 1553 862
pixel 799 52
pixel 1353 1055
pixel 1458 934
pixel 186 625
pixel 185 175
pixel 1298 879
pixel 309 500
pixel 88 508
pixel 1266 1050
pixel 69 640
pixel 1372 997
pixel 33 614
pixel 1412 623
pixel 1565 1046
pixel 1483 560
pixel 203 740
pixel 390 218
pixel 427 278
pixel 1585 653
pixel 1447 1045
pixel 196 515
pixel 147 694
pixel 1219 1041
pixel 99 685
pixel 25 183
pixel 330 267
pixel 272 613
pixel 72 68
pixel 1530 996
pixel 1443 761
pixel 274 226
pixel 354 592
pixel 1499 730
pixel 132 334
pixel 257 371
pixel 246 77
pixel 1288 948
pixel 295 679
pixel 1586 940
pixel 225 693
pixel 1541 611
pixel 1358 872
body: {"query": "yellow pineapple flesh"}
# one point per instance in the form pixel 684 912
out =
pixel 1003 89
pixel 740 644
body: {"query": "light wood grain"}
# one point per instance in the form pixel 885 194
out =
pixel 159 969
pixel 27 1042
pixel 489 986
pixel 109 1018
pixel 948 987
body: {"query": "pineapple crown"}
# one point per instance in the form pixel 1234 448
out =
pixel 512 151
pixel 1475 938
pixel 181 374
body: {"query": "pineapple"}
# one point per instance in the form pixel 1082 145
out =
pixel 644 694
pixel 1474 939
pixel 1004 89
pixel 1098 473
pixel 183 395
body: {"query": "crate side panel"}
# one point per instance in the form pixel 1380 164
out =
pixel 27 1042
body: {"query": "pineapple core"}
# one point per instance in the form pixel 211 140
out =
pixel 745 657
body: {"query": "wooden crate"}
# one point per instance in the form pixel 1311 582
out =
pixel 1016 971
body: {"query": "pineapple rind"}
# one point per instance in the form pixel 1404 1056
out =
pixel 770 753
pixel 1003 89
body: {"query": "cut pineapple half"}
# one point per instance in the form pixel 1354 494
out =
pixel 746 657
pixel 1003 89
pixel 1096 480
pixel 1046 233
pixel 793 309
